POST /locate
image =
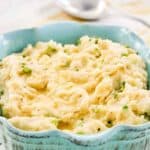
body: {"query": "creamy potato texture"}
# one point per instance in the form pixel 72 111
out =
pixel 84 88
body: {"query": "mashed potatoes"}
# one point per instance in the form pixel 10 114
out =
pixel 84 88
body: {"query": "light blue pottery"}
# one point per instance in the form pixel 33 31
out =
pixel 123 137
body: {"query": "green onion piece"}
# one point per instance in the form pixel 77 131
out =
pixel 80 123
pixel 55 122
pixel 80 132
pixel 125 107
pixel 76 69
pixel 96 41
pixel 1 111
pixel 50 50
pixel 147 116
pixel 98 129
pixel 97 52
pixel 66 51
pixel 109 123
pixel 67 64
pixel 102 61
pixel 24 53
pixel 78 42
pixel 122 86
pixel 115 95
pixel 125 54
pixel 127 46
pixel 23 64
pixel 26 70
pixel 1 92
pixel 96 110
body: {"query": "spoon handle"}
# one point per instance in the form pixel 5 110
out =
pixel 137 19
pixel 129 16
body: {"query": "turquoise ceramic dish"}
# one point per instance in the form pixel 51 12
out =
pixel 123 137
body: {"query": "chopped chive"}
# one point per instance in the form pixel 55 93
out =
pixel 125 54
pixel 96 41
pixel 122 86
pixel 147 116
pixel 76 69
pixel 55 122
pixel 115 95
pixel 66 51
pixel 97 52
pixel 80 132
pixel 78 42
pixel 102 61
pixel 1 111
pixel 24 55
pixel 127 46
pixel 96 110
pixel 1 92
pixel 67 64
pixel 80 123
pixel 90 39
pixel 98 129
pixel 125 107
pixel 1 64
pixel 50 50
pixel 26 70
pixel 109 123
pixel 23 64
pixel 47 114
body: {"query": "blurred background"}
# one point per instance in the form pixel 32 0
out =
pixel 15 14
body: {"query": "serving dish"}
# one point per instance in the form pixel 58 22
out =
pixel 122 137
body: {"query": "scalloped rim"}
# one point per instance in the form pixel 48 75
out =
pixel 86 140
pixel 71 136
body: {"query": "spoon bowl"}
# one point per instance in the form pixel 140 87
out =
pixel 83 9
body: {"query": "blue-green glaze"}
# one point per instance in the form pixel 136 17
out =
pixel 122 137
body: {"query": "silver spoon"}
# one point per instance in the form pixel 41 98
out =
pixel 92 10
pixel 83 9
